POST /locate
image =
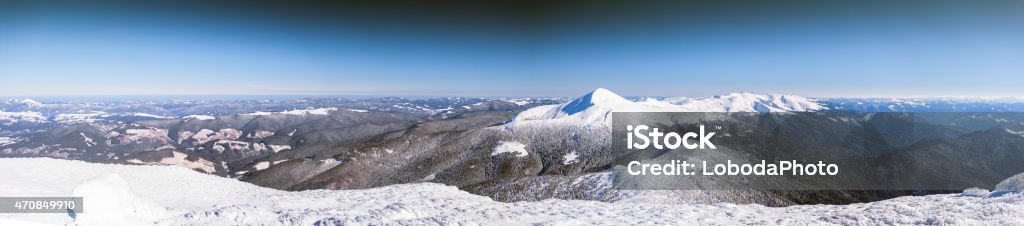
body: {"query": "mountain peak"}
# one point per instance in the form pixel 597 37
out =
pixel 602 92
pixel 599 96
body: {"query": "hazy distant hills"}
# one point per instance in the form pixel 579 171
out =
pixel 924 104
pixel 26 115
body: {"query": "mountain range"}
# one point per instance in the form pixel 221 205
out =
pixel 508 149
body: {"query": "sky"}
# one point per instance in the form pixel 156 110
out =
pixel 512 48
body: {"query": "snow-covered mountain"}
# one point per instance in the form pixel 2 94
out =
pixel 165 195
pixel 596 107
pixel 593 107
pixel 746 102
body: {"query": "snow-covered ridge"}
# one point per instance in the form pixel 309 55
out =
pixel 94 116
pixel 25 103
pixel 78 117
pixel 27 116
pixel 66 118
pixel 169 195
pixel 311 111
pixel 746 102
pixel 28 113
pixel 199 117
pixel 31 102
pixel 597 106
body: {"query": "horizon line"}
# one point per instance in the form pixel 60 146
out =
pixel 416 96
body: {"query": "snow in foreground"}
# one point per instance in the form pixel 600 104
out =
pixel 167 195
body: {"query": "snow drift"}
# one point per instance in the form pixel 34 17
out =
pixel 1012 184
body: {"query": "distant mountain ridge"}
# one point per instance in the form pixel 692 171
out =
pixel 596 106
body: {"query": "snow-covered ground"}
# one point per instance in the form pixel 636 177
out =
pixel 168 195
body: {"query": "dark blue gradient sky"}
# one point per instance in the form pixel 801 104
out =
pixel 519 48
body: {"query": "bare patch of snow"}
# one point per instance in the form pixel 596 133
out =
pixel 206 135
pixel 430 177
pixel 235 145
pixel 278 148
pixel 147 135
pixel 259 134
pixel 261 165
pixel 519 149
pixel 88 141
pixel 148 115
pixel 199 117
pixel 259 113
pixel 317 111
pixel 179 159
pixel 570 158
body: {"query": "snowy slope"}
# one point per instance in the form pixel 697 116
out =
pixel 596 107
pixel 167 195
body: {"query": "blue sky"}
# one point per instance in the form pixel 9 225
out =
pixel 926 48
